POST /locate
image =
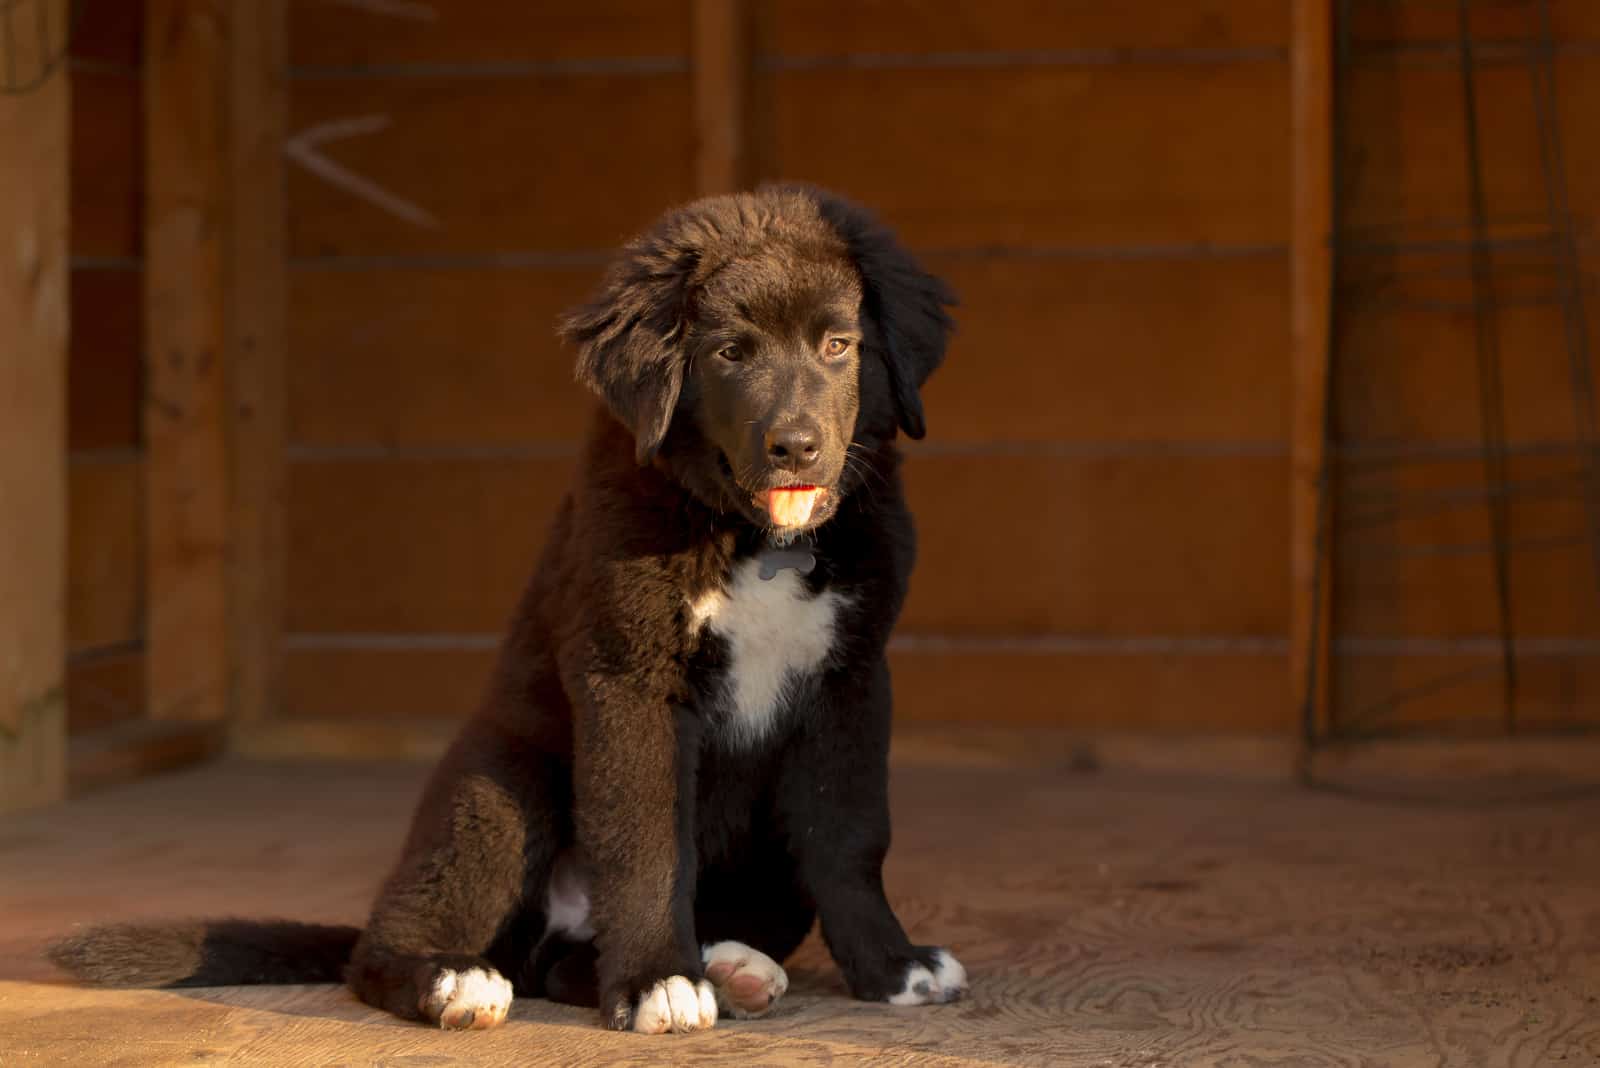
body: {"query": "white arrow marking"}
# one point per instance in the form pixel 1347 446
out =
pixel 303 149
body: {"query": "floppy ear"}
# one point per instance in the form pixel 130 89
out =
pixel 907 303
pixel 630 337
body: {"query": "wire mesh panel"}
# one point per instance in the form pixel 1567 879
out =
pixel 1462 495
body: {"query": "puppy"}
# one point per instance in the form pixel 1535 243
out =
pixel 681 761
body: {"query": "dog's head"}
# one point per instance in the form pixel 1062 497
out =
pixel 752 342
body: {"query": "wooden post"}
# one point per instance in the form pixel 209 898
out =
pixel 1311 276
pixel 720 65
pixel 186 399
pixel 34 130
pixel 257 347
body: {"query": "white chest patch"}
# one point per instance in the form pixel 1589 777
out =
pixel 777 633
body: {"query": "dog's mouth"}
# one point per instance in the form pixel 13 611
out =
pixel 791 506
pixel 788 506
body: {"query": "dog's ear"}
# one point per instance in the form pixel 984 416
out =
pixel 630 336
pixel 906 302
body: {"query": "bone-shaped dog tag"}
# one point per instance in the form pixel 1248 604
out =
pixel 775 560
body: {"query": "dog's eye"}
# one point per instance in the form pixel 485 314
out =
pixel 730 353
pixel 837 346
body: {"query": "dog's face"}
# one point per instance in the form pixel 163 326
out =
pixel 773 387
pixel 753 343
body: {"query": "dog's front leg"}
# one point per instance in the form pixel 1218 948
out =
pixel 634 797
pixel 835 798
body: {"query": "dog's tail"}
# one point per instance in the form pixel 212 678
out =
pixel 207 953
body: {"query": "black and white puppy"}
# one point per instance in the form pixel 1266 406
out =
pixel 681 762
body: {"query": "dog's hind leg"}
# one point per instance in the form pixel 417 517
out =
pixel 479 854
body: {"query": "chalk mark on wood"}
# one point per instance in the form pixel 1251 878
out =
pixel 304 148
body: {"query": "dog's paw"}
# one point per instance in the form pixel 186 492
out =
pixel 461 998
pixel 945 980
pixel 675 1004
pixel 747 981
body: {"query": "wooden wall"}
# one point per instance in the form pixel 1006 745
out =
pixel 1106 190
pixel 1103 497
pixel 105 682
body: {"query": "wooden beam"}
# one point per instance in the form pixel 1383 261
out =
pixel 257 349
pixel 34 128
pixel 720 64
pixel 186 400
pixel 1311 275
pixel 138 749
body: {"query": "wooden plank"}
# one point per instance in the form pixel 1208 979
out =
pixel 720 67
pixel 105 688
pixel 110 34
pixel 1096 350
pixel 1173 690
pixel 488 164
pixel 457 356
pixel 136 750
pixel 1310 316
pixel 186 402
pixel 1203 165
pixel 35 127
pixel 257 346
pixel 106 181
pixel 1407 124
pixel 1375 21
pixel 104 391
pixel 416 546
pixel 1461 693
pixel 1122 544
pixel 1025 28
pixel 105 552
pixel 1414 549
pixel 1406 370
pixel 485 33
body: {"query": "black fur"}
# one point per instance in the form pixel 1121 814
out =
pixel 735 322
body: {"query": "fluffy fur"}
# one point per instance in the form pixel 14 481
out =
pixel 673 753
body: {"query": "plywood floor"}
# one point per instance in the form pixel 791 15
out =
pixel 1106 919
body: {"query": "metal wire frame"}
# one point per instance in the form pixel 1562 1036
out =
pixel 1551 236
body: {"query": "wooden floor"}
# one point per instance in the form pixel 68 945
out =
pixel 1106 919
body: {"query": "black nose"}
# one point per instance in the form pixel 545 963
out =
pixel 793 446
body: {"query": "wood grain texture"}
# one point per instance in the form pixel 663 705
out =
pixel 799 28
pixel 1103 919
pixel 1107 545
pixel 1197 168
pixel 1311 310
pixel 257 351
pixel 107 178
pixel 137 750
pixel 34 293
pixel 1180 350
pixel 185 388
pixel 105 552
pixel 484 33
pixel 546 163
pixel 719 69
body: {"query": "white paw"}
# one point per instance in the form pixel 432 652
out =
pixel 475 998
pixel 946 982
pixel 676 1004
pixel 748 982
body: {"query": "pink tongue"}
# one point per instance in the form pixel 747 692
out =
pixel 791 507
